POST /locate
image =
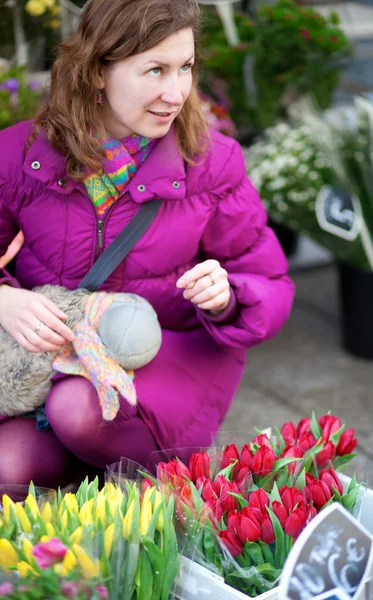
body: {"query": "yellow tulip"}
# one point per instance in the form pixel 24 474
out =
pixel 50 530
pixel 44 538
pixel 23 519
pixel 32 506
pixel 127 521
pixel 108 539
pixel 69 501
pixel 157 501
pixel 7 504
pixel 100 513
pixel 76 536
pixel 85 513
pixel 145 515
pixel 46 513
pixel 68 564
pixel 49 3
pixel 8 555
pixel 89 569
pixel 24 569
pixel 35 8
pixel 65 519
pixel 27 548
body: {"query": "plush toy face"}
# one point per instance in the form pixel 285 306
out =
pixel 130 331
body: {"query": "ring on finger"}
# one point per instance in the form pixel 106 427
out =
pixel 210 275
pixel 39 326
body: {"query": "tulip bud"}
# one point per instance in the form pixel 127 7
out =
pixel 31 503
pixel 100 513
pixel 262 440
pixel 208 491
pixel 145 516
pixel 249 527
pixel 23 519
pixel 8 507
pixel 88 567
pixel 77 535
pixel 260 500
pixel 199 465
pixel 127 521
pixel 331 479
pixel 263 461
pixel 50 530
pixel 303 426
pixel 318 493
pixel 233 521
pixel 280 512
pixel 289 433
pixel 8 555
pixel 296 522
pixel 230 454
pixel 49 553
pixel 329 425
pixel 291 497
pixel 325 456
pixel 108 539
pixel 293 452
pixel 68 564
pixel 231 542
pixel 347 442
pixel 24 569
pixel 246 455
pixel 28 549
pixel 306 441
pixel 267 534
pixel 228 502
pixel 46 513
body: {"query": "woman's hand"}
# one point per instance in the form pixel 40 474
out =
pixel 207 286
pixel 33 320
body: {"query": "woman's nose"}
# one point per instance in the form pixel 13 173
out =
pixel 172 93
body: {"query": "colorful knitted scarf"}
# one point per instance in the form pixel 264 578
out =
pixel 87 356
pixel 122 159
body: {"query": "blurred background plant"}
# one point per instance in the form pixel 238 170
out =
pixel 19 99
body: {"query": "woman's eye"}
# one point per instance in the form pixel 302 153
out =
pixel 156 71
pixel 186 68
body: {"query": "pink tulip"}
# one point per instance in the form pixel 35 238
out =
pixel 230 454
pixel 103 591
pixel 289 433
pixel 70 589
pixel 49 553
pixel 6 588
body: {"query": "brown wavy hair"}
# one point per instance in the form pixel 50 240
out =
pixel 111 30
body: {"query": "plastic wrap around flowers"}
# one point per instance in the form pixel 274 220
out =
pixel 117 542
pixel 241 511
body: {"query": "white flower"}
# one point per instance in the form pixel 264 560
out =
pixel 303 169
pixel 313 176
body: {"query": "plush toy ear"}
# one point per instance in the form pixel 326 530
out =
pixel 131 333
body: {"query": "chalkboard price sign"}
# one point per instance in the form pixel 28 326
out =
pixel 339 213
pixel 332 556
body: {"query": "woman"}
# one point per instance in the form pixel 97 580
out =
pixel 123 126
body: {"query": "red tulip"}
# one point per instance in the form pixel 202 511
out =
pixel 242 475
pixel 291 497
pixel 231 542
pixel 330 477
pixel 292 452
pixel 199 465
pixel 208 492
pixel 249 528
pixel 219 482
pixel 262 440
pixel 329 425
pixel 216 509
pixel 233 521
pixel 267 534
pixel 326 455
pixel 230 454
pixel 171 470
pixel 289 433
pixel 146 483
pixel 347 442
pixel 263 461
pixel 227 501
pixel 296 522
pixel 303 426
pixel 306 441
pixel 246 455
pixel 310 478
pixel 280 512
pixel 318 493
pixel 260 500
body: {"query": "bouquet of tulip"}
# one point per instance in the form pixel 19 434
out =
pixel 241 511
pixel 111 543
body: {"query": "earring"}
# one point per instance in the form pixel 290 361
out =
pixel 99 98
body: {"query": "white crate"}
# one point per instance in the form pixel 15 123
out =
pixel 197 582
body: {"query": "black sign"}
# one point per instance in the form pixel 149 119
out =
pixel 333 554
pixel 338 213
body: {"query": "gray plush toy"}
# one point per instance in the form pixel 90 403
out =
pixel 123 329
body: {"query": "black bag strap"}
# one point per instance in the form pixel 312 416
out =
pixel 121 246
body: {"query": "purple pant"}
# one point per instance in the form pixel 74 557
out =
pixel 78 433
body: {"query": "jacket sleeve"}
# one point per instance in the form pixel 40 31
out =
pixel 238 237
pixel 8 230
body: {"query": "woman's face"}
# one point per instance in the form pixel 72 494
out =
pixel 144 93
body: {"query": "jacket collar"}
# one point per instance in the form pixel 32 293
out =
pixel 162 175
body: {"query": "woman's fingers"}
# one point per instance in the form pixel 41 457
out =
pixel 199 271
pixel 37 341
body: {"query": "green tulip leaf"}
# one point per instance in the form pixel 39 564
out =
pixel 315 427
